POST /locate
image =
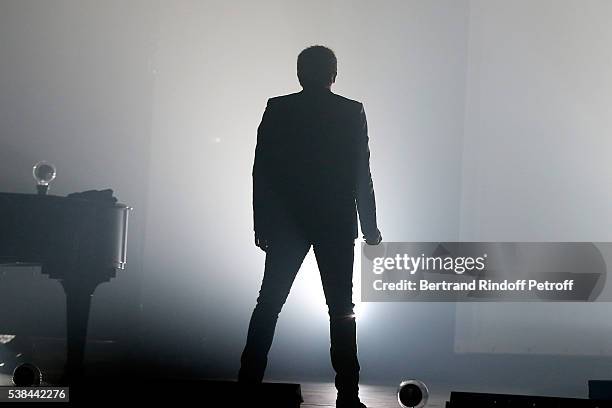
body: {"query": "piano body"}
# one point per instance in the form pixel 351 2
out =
pixel 79 242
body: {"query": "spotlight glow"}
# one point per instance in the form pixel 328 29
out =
pixel 308 289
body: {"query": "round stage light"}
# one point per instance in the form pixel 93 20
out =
pixel 412 394
pixel 43 173
pixel 27 375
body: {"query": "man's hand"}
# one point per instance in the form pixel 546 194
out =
pixel 374 239
pixel 261 242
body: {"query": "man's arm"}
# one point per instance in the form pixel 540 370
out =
pixel 261 189
pixel 366 202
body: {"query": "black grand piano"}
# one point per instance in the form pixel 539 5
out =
pixel 80 242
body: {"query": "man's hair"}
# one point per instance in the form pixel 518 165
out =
pixel 316 66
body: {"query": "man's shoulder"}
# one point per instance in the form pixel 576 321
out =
pixel 347 101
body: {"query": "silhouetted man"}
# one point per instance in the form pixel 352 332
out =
pixel 310 178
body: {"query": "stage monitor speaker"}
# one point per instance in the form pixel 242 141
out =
pixel 481 400
pixel 273 395
pixel 188 392
pixel 600 389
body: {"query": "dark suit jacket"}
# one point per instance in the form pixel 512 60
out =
pixel 312 168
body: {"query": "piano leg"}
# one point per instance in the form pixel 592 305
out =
pixel 78 304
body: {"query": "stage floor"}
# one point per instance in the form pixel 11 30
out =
pixel 323 395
